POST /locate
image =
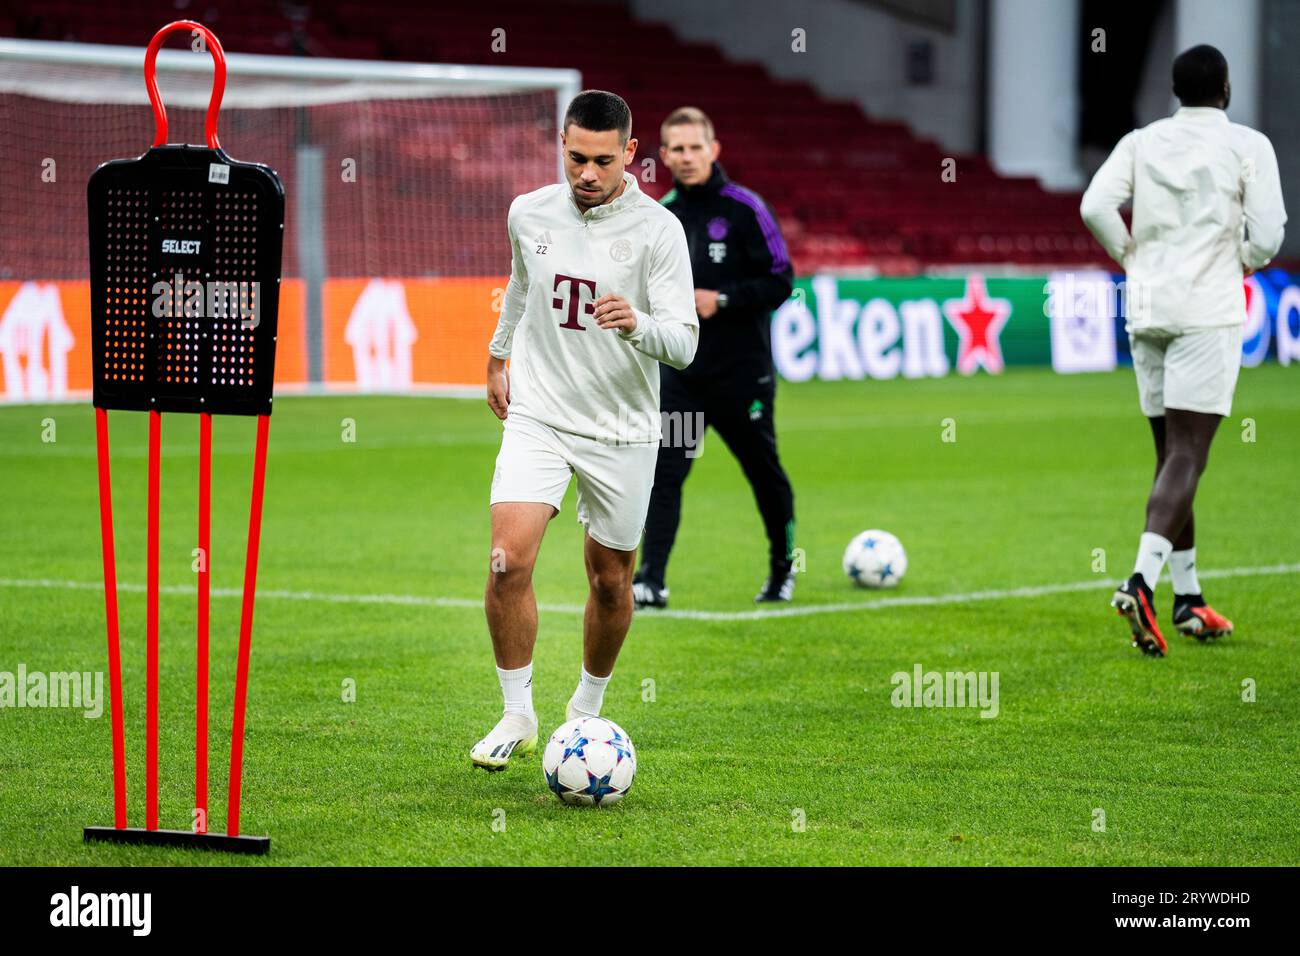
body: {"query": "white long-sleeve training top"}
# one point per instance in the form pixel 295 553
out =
pixel 1207 199
pixel 565 370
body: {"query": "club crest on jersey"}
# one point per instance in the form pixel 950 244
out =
pixel 718 228
pixel 718 251
pixel 620 250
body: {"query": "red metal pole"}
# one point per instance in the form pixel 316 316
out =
pixel 151 629
pixel 110 613
pixel 205 570
pixel 246 625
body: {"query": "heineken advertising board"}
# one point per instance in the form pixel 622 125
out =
pixel 844 328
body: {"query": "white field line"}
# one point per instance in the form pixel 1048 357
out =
pixel 796 610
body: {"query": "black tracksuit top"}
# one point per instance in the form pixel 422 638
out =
pixel 736 248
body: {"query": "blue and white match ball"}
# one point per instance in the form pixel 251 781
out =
pixel 589 761
pixel 875 559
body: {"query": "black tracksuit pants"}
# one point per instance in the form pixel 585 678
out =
pixel 739 407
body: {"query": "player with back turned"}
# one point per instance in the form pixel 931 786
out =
pixel 599 295
pixel 1207 207
pixel 742 272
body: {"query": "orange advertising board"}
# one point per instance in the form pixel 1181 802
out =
pixel 392 335
pixel 45 340
pixel 377 335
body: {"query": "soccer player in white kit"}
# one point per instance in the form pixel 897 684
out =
pixel 600 292
pixel 1207 209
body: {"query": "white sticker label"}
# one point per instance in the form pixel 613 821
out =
pixel 218 173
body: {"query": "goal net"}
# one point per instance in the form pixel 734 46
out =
pixel 397 176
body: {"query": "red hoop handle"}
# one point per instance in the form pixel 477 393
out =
pixel 218 79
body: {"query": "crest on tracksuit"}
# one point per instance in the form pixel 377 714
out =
pixel 717 229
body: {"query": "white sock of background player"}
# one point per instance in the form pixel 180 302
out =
pixel 1182 569
pixel 1153 552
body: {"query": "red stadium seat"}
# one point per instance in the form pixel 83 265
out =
pixel 857 191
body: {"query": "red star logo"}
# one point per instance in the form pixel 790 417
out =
pixel 1254 302
pixel 978 321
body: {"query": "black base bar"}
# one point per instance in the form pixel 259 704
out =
pixel 258 845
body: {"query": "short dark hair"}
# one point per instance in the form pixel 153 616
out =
pixel 598 111
pixel 1200 75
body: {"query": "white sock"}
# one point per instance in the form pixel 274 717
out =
pixel 590 694
pixel 1182 568
pixel 1153 552
pixel 517 688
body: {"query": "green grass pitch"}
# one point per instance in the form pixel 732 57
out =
pixel 754 723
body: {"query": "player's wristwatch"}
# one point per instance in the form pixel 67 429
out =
pixel 722 300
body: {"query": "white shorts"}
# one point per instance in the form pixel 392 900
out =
pixel 1195 370
pixel 614 481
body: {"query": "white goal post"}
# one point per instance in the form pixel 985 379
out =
pixel 398 177
pixel 97 73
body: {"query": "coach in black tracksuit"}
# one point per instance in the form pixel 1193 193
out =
pixel 742 272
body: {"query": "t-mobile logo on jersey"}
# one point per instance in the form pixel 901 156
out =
pixel 576 286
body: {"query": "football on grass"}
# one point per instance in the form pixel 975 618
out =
pixel 589 762
pixel 875 559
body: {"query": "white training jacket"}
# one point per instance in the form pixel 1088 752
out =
pixel 566 371
pixel 1207 199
